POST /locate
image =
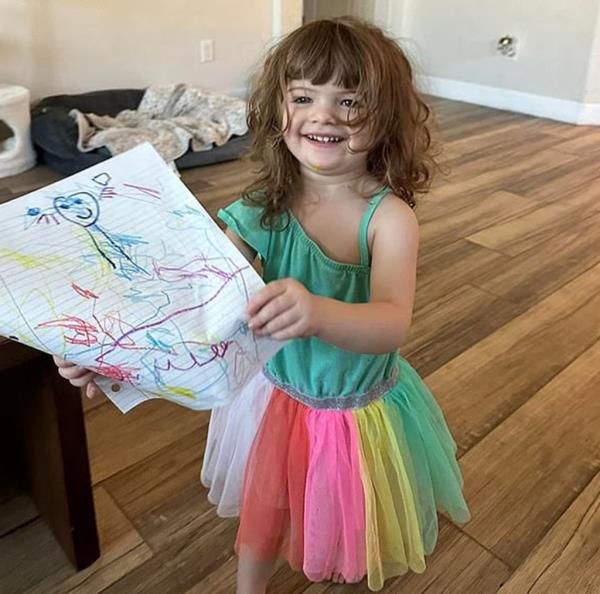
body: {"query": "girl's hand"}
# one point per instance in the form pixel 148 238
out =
pixel 284 309
pixel 78 376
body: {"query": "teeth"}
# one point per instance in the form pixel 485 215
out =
pixel 324 138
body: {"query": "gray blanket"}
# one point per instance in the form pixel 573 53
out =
pixel 172 118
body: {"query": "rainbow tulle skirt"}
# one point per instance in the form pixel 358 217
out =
pixel 350 492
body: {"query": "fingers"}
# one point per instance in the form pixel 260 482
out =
pixel 92 390
pixel 60 362
pixel 282 309
pixel 269 312
pixel 266 294
pixel 78 376
pixel 78 380
pixel 289 332
pixel 73 372
pixel 278 322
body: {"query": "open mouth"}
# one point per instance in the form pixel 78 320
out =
pixel 324 139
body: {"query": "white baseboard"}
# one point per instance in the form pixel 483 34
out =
pixel 563 110
pixel 589 114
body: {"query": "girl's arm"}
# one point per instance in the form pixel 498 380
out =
pixel 285 309
pixel 241 245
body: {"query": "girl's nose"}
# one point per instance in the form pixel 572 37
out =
pixel 322 114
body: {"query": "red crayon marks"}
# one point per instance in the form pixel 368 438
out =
pixel 84 292
pixel 48 218
pixel 83 332
pixel 108 192
pixel 143 190
pixel 117 372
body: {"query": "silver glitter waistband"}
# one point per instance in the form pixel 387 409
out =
pixel 350 401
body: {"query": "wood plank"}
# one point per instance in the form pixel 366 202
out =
pixel 148 484
pixel 286 580
pixel 220 198
pixel 503 149
pixel 190 542
pixel 491 380
pixel 527 472
pixel 6 195
pixel 517 131
pixel 451 324
pixel 114 439
pixel 584 136
pixel 454 193
pixel 220 173
pixel 122 550
pixel 519 234
pixel 31 180
pixel 473 123
pixel 491 209
pixel 586 142
pixel 561 130
pixel 28 556
pixel 555 182
pixel 220 581
pixel 568 558
pixel 16 511
pixel 459 564
pixel 450 267
pixel 186 512
pixel 546 267
pixel 90 403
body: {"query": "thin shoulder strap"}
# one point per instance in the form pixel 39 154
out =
pixel 364 225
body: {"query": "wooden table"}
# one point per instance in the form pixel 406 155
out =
pixel 42 437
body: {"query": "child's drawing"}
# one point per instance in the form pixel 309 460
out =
pixel 119 269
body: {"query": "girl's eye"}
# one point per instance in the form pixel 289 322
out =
pixel 349 103
pixel 301 99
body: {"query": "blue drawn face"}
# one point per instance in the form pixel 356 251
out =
pixel 81 208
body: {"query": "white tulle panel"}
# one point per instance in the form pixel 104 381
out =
pixel 230 435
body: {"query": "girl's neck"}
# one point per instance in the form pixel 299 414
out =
pixel 327 186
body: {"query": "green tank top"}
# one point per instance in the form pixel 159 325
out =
pixel 309 367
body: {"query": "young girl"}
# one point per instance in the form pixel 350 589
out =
pixel 337 457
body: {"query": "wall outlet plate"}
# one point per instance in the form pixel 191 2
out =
pixel 207 50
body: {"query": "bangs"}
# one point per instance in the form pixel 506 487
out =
pixel 327 52
pixel 354 56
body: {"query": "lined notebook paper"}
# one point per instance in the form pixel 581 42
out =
pixel 119 269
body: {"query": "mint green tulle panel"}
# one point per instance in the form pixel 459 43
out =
pixel 424 439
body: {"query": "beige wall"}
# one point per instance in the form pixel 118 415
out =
pixel 291 15
pixel 456 40
pixel 592 86
pixel 66 46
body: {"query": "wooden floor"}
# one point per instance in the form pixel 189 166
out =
pixel 506 333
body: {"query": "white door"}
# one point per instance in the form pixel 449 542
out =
pixel 368 10
pixel 289 14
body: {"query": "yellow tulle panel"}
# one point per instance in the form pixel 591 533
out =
pixel 394 542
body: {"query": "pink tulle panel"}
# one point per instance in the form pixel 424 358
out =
pixel 334 519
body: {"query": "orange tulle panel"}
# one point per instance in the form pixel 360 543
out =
pixel 272 513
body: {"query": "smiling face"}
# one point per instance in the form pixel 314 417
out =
pixel 317 131
pixel 80 208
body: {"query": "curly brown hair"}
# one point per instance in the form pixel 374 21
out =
pixel 353 55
